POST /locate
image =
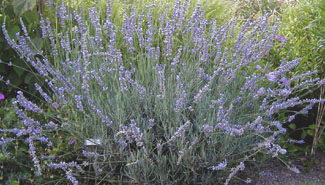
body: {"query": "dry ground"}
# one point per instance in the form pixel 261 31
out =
pixel 274 172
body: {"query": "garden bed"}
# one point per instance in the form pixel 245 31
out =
pixel 170 92
pixel 274 172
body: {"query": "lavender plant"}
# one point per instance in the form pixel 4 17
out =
pixel 163 99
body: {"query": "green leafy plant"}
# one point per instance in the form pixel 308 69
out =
pixel 161 96
pixel 18 168
pixel 318 29
pixel 15 161
pixel 255 9
pixel 19 73
pixel 302 25
pixel 300 34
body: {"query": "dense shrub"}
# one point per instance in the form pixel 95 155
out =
pixel 162 95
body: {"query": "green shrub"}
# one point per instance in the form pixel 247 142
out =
pixel 301 26
pixel 299 35
pixel 157 96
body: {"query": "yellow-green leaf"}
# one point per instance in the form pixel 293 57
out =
pixel 292 126
pixel 312 126
pixel 310 132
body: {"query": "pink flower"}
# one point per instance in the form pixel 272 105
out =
pixel 2 96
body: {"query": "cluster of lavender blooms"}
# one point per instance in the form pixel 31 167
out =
pixel 204 81
pixel 220 166
pixel 180 131
pixel 3 143
pixel 131 133
pixel 67 167
pixel 34 130
pixel 235 170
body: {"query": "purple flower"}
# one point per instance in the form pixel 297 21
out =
pixel 78 99
pixel 45 96
pixel 296 141
pixel 89 154
pixel 67 168
pixel 95 21
pixel 2 96
pixel 207 129
pixel 291 118
pixel 284 80
pixel 56 105
pixel 281 38
pixel 71 178
pixel 180 102
pixel 261 91
pixel 220 166
pixel 294 169
pixel 72 142
pixel 150 121
pixel 271 77
pixel 180 131
pixel 28 105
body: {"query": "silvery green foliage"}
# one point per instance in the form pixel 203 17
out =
pixel 173 98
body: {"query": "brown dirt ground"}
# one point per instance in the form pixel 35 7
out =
pixel 274 172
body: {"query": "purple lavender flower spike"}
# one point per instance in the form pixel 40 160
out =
pixel 28 105
pixel 220 166
pixel 61 13
pixel 89 154
pixel 43 27
pixel 180 131
pixel 67 168
pixel 95 21
pixel 2 96
pixel 71 178
pixel 45 96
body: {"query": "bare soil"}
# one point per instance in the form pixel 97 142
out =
pixel 274 172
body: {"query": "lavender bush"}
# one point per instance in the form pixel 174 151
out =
pixel 165 96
